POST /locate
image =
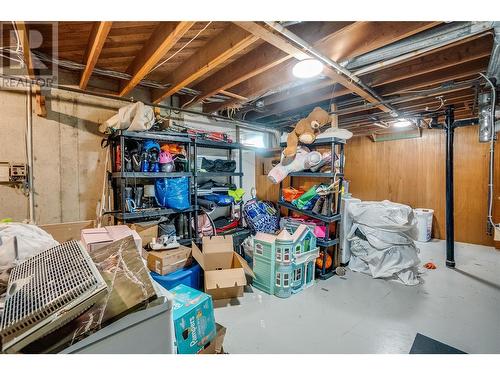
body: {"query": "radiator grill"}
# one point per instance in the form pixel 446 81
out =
pixel 46 291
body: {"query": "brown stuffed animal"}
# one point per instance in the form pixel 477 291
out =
pixel 305 131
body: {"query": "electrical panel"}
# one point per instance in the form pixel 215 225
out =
pixel 13 172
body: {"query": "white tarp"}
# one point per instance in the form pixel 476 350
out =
pixel 382 241
pixel 134 117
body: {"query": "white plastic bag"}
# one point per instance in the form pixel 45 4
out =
pixel 134 117
pixel 381 241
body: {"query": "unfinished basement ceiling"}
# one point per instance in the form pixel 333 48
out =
pixel 246 66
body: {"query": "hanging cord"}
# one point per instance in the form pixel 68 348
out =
pixel 492 151
pixel 180 49
pixel 441 105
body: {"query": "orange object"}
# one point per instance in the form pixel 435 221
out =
pixel 290 193
pixel 319 261
pixel 430 266
pixel 173 148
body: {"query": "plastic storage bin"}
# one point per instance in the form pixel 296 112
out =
pixel 189 276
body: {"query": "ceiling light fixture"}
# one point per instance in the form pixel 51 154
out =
pixel 307 68
pixel 403 123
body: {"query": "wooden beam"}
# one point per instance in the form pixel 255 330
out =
pixel 282 42
pixel 224 46
pixel 300 101
pixel 436 77
pixel 430 63
pixel 261 59
pixel 98 36
pixel 231 95
pixel 23 31
pixel 449 57
pixel 165 36
pixel 355 39
pixel 277 41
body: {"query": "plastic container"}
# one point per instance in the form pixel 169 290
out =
pixel 189 276
pixel 424 223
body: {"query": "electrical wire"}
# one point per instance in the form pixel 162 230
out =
pixel 441 105
pixel 180 49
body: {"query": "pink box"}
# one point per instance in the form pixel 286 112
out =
pixel 95 238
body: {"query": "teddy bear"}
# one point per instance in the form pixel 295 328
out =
pixel 305 131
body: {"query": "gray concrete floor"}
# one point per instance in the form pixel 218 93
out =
pixel 358 314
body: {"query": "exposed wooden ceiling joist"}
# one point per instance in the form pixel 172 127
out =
pixel 100 31
pixel 164 37
pixel 320 95
pixel 281 42
pixel 451 57
pixel 430 63
pixel 261 59
pixel 343 44
pixel 455 72
pixel 228 43
pixel 273 39
pixel 23 31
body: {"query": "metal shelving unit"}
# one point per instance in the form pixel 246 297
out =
pixel 332 218
pixel 120 179
pixel 229 147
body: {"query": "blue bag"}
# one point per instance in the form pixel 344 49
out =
pixel 173 192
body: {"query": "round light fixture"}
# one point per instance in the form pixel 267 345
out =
pixel 403 123
pixel 307 68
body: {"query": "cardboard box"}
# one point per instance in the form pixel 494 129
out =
pixel 216 346
pixel 268 164
pixel 224 269
pixel 146 230
pixel 97 238
pixel 63 232
pixel 167 261
pixel 194 321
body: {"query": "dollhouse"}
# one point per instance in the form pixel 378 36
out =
pixel 284 264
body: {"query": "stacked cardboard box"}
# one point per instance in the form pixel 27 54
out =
pixel 224 269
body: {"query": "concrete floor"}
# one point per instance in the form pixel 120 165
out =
pixel 358 314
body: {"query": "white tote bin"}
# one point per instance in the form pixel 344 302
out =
pixel 424 223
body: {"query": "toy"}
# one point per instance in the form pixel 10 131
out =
pixel 304 159
pixel 166 162
pixel 164 243
pixel 319 261
pixel 305 131
pixel 284 264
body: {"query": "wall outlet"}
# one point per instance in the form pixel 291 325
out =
pixel 497 232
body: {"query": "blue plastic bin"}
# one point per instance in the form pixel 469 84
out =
pixel 189 276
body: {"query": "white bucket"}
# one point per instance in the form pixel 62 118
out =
pixel 424 223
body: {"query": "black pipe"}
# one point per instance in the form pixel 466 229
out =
pixel 450 225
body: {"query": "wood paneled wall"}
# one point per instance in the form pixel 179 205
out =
pixel 412 171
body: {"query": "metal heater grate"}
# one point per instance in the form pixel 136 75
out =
pixel 46 291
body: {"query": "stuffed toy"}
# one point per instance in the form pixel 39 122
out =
pixel 305 131
pixel 303 160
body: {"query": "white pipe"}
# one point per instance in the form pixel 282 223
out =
pixel 29 154
pixel 492 152
pixel 407 56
